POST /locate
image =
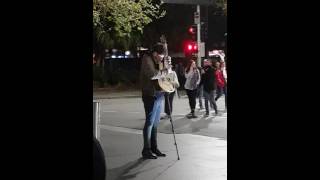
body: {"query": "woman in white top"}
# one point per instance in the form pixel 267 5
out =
pixel 169 96
pixel 192 75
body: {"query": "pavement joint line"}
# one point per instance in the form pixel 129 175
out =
pixel 120 129
pixel 132 112
pixel 109 111
pixel 136 131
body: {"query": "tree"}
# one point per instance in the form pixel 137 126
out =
pixel 223 5
pixel 120 23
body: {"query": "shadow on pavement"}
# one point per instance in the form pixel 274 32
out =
pixel 200 124
pixel 195 125
pixel 178 123
pixel 134 168
pixel 121 173
pixel 169 166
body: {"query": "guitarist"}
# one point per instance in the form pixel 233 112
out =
pixel 152 97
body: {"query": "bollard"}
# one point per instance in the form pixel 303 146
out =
pixel 96 119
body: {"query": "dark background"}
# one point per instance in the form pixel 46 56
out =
pixel 271 134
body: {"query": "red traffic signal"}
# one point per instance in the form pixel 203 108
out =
pixel 190 47
pixel 195 47
pixel 192 30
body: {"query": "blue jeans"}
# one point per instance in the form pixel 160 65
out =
pixel 209 96
pixel 152 107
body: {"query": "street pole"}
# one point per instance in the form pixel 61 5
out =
pixel 96 119
pixel 198 36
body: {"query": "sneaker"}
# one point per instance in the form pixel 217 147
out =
pixel 207 114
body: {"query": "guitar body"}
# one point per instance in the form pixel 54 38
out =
pixel 166 85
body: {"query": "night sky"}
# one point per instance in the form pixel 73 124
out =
pixel 176 23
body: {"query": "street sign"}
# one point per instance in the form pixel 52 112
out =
pixel 196 18
pixel 195 2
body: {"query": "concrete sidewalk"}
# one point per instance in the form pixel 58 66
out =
pixel 129 113
pixel 201 157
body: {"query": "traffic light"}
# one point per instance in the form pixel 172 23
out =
pixel 192 31
pixel 194 47
pixel 190 48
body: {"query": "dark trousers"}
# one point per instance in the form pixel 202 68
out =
pixel 221 91
pixel 152 106
pixel 192 95
pixel 209 96
pixel 167 103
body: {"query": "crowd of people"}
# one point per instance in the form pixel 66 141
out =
pixel 208 82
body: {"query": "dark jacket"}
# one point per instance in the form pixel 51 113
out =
pixel 208 79
pixel 148 70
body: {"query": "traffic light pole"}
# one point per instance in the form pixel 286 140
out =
pixel 198 36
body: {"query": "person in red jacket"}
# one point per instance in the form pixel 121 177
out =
pixel 221 83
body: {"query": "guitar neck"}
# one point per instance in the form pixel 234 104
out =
pixel 164 64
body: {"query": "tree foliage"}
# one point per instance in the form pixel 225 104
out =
pixel 223 5
pixel 121 22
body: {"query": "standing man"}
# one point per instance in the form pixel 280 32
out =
pixel 152 97
pixel 209 86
